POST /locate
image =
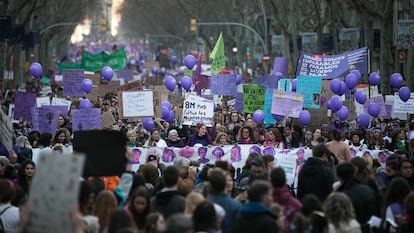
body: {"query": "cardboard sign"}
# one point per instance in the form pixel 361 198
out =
pixel 159 94
pixel 136 104
pixel 23 102
pixel 72 80
pixel 96 78
pixel 45 119
pixel 42 101
pixel 310 87
pixel 61 102
pixel 86 119
pixel 224 85
pixel 287 104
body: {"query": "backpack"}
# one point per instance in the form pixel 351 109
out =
pixel 1 221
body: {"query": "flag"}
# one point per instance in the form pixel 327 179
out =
pixel 198 69
pixel 217 55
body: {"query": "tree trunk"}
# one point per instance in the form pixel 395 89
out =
pixel 386 58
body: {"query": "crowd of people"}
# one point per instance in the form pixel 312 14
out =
pixel 336 191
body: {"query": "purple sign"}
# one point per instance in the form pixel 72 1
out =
pixel 45 119
pixel 238 106
pixel 72 80
pixel 378 100
pixel 287 104
pixel 125 74
pixel 86 119
pixel 335 66
pixel 60 109
pixel 23 102
pixel 223 84
pixel 270 81
pixel 201 82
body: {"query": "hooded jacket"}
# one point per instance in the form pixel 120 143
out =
pixel 291 206
pixel 255 217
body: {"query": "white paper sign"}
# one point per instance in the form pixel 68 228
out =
pixel 42 101
pixel 6 131
pixel 56 181
pixel 59 78
pixel 198 110
pixel 11 111
pixel 61 102
pixel 403 107
pixel 389 100
pixel 137 104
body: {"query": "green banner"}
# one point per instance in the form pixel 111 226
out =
pixel 66 66
pixel 253 98
pixel 95 62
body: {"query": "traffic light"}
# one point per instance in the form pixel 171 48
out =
pixel 103 26
pixel 193 26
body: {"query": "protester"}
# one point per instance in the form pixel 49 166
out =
pixel 200 136
pixel 340 213
pixel 173 140
pixel 155 140
pixel 9 214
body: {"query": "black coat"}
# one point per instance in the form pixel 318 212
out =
pixel 315 177
pixel 168 203
pixel 255 218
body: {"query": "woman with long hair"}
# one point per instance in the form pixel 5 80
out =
pixel 395 194
pixel 25 175
pixel 204 218
pixel 62 136
pixel 274 138
pixel 139 207
pixel 340 214
pixel 154 223
pixel 105 203
pixel 118 220
pixel 221 139
pixel 200 136
pixel 246 135
pixel 155 140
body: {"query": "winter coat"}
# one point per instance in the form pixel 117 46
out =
pixel 254 217
pixel 168 203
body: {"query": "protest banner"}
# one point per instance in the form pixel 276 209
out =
pixel 403 107
pixel 405 37
pixel 56 181
pixel 223 84
pixel 253 98
pixel 23 102
pixel 269 119
pixel 125 75
pixel 45 119
pixel 132 86
pixel 6 129
pixel 61 102
pixel 389 104
pixel 86 119
pixel 271 81
pixel 287 103
pixel 94 62
pixel 136 104
pixel 68 66
pixel 42 101
pixel 333 66
pixel 197 110
pixel 310 87
pixel 72 80
pixel 359 108
pixel 284 85
pixel 107 119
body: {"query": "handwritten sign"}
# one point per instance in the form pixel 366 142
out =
pixel 310 87
pixel 125 75
pixel 42 101
pixel 86 119
pixel 61 102
pixel 389 101
pixel 6 129
pixel 253 98
pixel 287 103
pixel 403 107
pixel 359 108
pixel 72 80
pixel 224 85
pixel 56 180
pixel 45 119
pixel 197 110
pixel 137 104
pixel 23 102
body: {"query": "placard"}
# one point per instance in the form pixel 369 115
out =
pixel 137 104
pixel 359 108
pixel 125 75
pixel 61 102
pixel 403 107
pixel 284 85
pixel 310 87
pixel 389 101
pixel 197 110
pixel 56 181
pixel 23 102
pixel 72 80
pixel 11 111
pixel 287 104
pixel 42 101
pixel 223 84
pixel 86 119
pixel 45 119
pixel 266 81
pixel 253 98
pixel 6 129
pixel 269 119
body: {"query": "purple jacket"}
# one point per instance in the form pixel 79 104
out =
pixel 194 139
pixel 291 205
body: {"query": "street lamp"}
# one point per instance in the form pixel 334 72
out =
pixel 235 50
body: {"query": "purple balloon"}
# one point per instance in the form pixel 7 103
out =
pixel 238 79
pixel 304 117
pixel 363 120
pixel 357 74
pixel 165 112
pixel 186 82
pixel 374 109
pixel 396 80
pixel 360 97
pixel 335 86
pixel 148 124
pixel 404 93
pixel 173 60
pixel 343 89
pixel 351 81
pixel 86 85
pixel 154 70
pixel 258 116
pixel 293 84
pixel 170 83
pixel 277 117
pixel 36 70
pixel 107 73
pixel 166 104
pixel 343 113
pixel 85 104
pixel 144 71
pixel 189 61
pixel 374 79
pixel 170 117
pixel 336 103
